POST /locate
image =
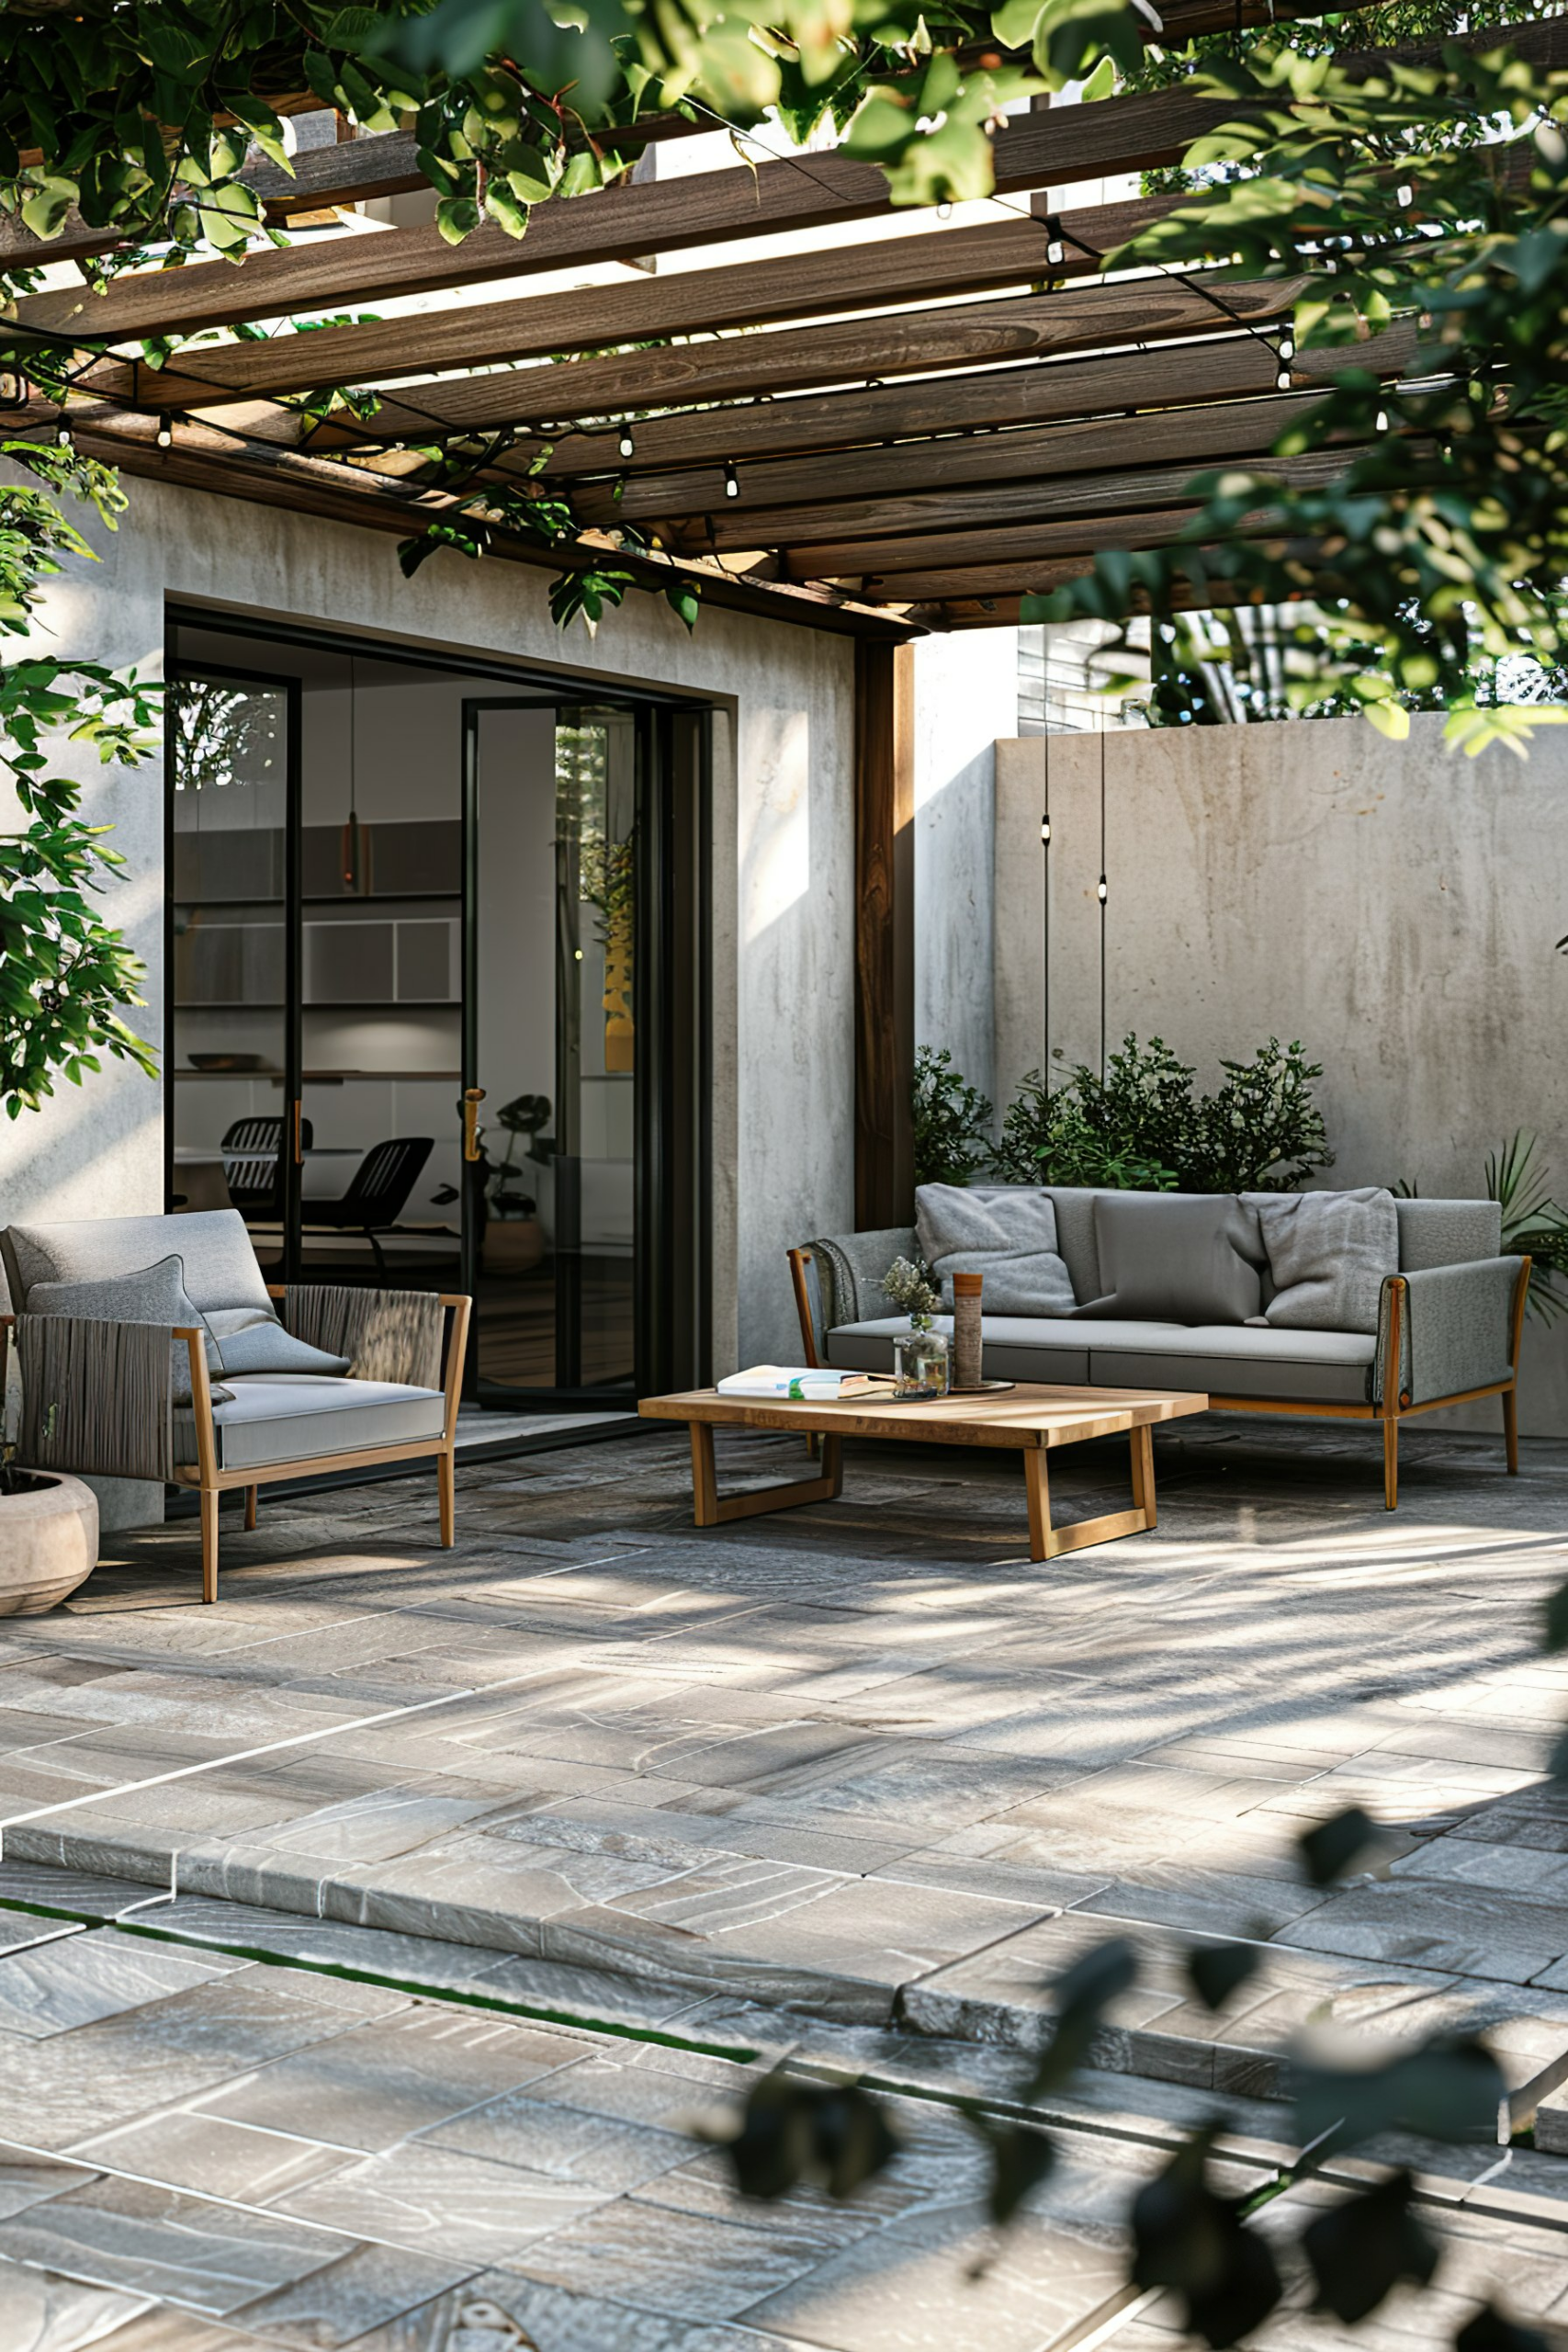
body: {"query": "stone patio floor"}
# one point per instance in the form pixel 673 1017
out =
pixel 849 1783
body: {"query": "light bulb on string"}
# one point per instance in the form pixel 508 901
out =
pixel 1056 249
pixel 165 431
pixel 1382 419
pixel 628 446
pixel 63 431
pixel 731 482
pixel 944 211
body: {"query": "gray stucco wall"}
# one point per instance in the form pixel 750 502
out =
pixel 965 696
pixel 783 863
pixel 1392 905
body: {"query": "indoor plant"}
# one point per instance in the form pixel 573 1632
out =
pixel 920 1356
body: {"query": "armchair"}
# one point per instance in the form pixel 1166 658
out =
pixel 351 1378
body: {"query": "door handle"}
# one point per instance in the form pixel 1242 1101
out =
pixel 472 1097
pixel 299 1148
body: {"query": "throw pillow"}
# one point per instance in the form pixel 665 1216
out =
pixel 1330 1254
pixel 1008 1236
pixel 251 1342
pixel 1177 1258
pixel 152 1294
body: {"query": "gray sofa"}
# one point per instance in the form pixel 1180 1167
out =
pixel 153 1348
pixel 1446 1324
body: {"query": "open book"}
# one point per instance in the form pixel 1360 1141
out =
pixel 808 1383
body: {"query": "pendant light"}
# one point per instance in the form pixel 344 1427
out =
pixel 351 858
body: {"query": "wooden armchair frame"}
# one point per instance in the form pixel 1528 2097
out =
pixel 211 1482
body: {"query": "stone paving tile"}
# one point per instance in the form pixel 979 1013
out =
pixel 160 2242
pixel 437 2200
pixel 78 1979
pixel 1469 1930
pixel 210 2156
pixel 669 2261
pixel 354 2298
pixel 564 2142
pixel 44 2312
pixel 376 2083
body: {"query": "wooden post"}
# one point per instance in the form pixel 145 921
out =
pixel 884 934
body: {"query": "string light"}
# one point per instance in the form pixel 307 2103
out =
pixel 1404 196
pixel 1382 419
pixel 1045 829
pixel 165 431
pixel 731 482
pixel 944 211
pixel 629 446
pixel 1103 892
pixel 62 431
pixel 1056 249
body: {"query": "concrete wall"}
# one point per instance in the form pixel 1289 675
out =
pixel 783 854
pixel 965 696
pixel 1392 905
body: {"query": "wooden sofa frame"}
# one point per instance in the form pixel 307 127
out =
pixel 211 1482
pixel 1393 1407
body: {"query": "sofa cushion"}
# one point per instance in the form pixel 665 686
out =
pixel 1176 1258
pixel 250 1342
pixel 1013 1347
pixel 146 1294
pixel 1299 1368
pixel 214 1248
pixel 1329 1254
pixel 1008 1234
pixel 296 1417
pixel 1447 1233
pixel 1074 1205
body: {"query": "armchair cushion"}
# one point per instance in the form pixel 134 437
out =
pixel 149 1295
pixel 272 1417
pixel 219 1264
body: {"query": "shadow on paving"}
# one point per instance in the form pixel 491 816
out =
pixel 862 1762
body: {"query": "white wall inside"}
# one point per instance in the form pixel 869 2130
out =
pixel 1392 905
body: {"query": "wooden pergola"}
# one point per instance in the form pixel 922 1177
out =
pixel 878 439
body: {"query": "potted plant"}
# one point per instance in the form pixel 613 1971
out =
pixel 513 1239
pixel 49 1537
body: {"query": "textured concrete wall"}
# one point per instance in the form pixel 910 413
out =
pixel 783 854
pixel 1392 906
pixel 965 696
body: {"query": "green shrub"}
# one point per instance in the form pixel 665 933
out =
pixel 1143 1127
pixel 952 1119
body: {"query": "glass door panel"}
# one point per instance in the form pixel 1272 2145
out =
pixel 232 739
pixel 553 847
pixel 381 882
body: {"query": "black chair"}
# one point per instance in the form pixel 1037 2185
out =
pixel 255 1185
pixel 376 1197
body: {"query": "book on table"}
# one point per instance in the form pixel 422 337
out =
pixel 803 1384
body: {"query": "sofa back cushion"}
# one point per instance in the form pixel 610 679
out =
pixel 213 1246
pixel 1005 1233
pixel 1177 1258
pixel 1329 1254
pixel 1074 1205
pixel 1447 1233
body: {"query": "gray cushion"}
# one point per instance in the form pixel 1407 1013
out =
pixel 273 1418
pixel 1176 1258
pixel 249 1341
pixel 149 1295
pixel 1074 1205
pixel 1304 1367
pixel 1006 1234
pixel 1330 1254
pixel 1447 1233
pixel 1013 1347
pixel 220 1267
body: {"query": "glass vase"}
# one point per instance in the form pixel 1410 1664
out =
pixel 921 1363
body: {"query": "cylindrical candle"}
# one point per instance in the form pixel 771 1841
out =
pixel 966 1331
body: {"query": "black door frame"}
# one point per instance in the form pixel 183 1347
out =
pixel 673 1148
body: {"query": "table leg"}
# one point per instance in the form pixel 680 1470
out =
pixel 710 1508
pixel 1045 1542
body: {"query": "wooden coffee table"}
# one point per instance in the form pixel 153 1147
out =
pixel 1029 1419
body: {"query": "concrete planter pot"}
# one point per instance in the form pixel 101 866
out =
pixel 49 1542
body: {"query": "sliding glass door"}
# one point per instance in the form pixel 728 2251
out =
pixel 438 1009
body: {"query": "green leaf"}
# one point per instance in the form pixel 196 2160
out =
pixel 1364 2248
pixel 1331 1847
pixel 1216 1971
